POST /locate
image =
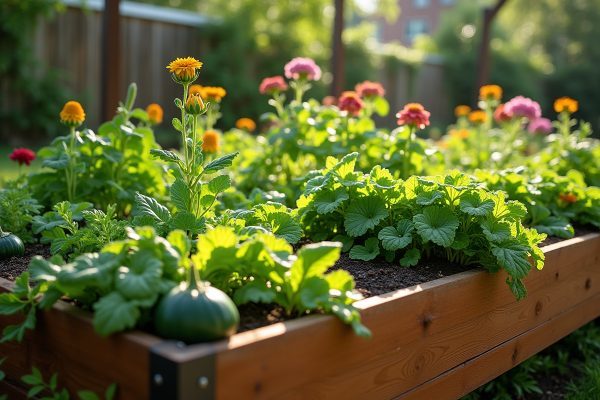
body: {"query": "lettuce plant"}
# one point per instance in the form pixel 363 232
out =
pixel 446 216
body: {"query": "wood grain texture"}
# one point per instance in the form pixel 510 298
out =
pixel 64 341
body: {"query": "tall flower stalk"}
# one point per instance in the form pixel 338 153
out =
pixel 415 117
pixel 72 115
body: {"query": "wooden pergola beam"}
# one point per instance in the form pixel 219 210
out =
pixel 337 59
pixel 110 59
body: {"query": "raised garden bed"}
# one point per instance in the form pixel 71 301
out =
pixel 437 340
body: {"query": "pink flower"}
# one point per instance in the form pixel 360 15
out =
pixel 370 89
pixel 329 100
pixel 413 114
pixel 540 125
pixel 22 156
pixel 501 115
pixel 349 101
pixel 523 107
pixel 301 67
pixel 272 85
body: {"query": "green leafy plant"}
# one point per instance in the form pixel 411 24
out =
pixel 61 228
pixel 104 168
pixel 262 269
pixel 17 209
pixel 446 216
pixel 36 380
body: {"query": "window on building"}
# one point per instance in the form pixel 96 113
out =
pixel 420 3
pixel 415 27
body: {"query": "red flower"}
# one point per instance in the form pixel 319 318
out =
pixel 272 85
pixel 501 115
pixel 413 114
pixel 22 156
pixel 351 102
pixel 370 89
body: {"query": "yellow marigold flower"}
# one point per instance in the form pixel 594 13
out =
pixel 477 117
pixel 195 89
pixel 462 133
pixel 194 104
pixel 214 93
pixel 246 123
pixel 490 92
pixel 211 142
pixel 155 113
pixel 183 70
pixel 566 103
pixel 72 114
pixel 459 111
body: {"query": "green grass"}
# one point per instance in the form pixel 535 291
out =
pixel 10 169
pixel 587 387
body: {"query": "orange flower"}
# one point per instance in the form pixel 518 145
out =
pixel 442 144
pixel 566 103
pixel 155 113
pixel 72 114
pixel 477 117
pixel 459 111
pixel 462 133
pixel 490 92
pixel 195 89
pixel 211 142
pixel 194 104
pixel 245 123
pixel 567 197
pixel 212 93
pixel 329 100
pixel 184 69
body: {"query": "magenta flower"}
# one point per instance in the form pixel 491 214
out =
pixel 272 85
pixel 540 126
pixel 349 101
pixel 301 67
pixel 414 114
pixel 523 107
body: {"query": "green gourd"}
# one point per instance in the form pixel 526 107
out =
pixel 196 312
pixel 10 245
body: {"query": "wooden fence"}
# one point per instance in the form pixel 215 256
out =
pixel 153 36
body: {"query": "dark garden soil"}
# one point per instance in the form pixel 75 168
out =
pixel 580 230
pixel 372 278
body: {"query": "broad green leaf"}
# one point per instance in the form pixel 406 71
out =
pixel 314 292
pixel 346 241
pixel 327 201
pixel 476 204
pixel 17 332
pixel 538 213
pixel 181 195
pixel 180 242
pixel 381 178
pixel 496 231
pixel 153 208
pixel 219 184
pixel 367 252
pixel 340 280
pixel 284 226
pixel 220 163
pixel 51 296
pixel 166 156
pixel 254 292
pixel 142 278
pixel 363 214
pixel 114 314
pixel 461 241
pixel 428 198
pixel 316 184
pixel 187 222
pixel 436 224
pixel 345 167
pixel 395 238
pixel 512 257
pixel 411 258
pixel 10 304
pixel 313 260
pixel 58 161
pixel 87 395
pixel 555 226
pixel 517 287
pixel 381 106
pixel 43 270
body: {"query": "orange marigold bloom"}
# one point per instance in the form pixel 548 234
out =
pixel 567 197
pixel 72 114
pixel 490 92
pixel 155 113
pixel 184 68
pixel 211 142
pixel 245 123
pixel 459 111
pixel 566 103
pixel 195 89
pixel 461 133
pixel 214 93
pixel 477 117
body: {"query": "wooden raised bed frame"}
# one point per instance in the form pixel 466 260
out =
pixel 439 340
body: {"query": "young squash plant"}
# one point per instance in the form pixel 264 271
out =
pixel 446 216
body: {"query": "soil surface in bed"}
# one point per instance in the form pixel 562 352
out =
pixel 372 278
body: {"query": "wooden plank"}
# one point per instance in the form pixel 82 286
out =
pixel 13 389
pixel 476 372
pixel 397 319
pixel 64 341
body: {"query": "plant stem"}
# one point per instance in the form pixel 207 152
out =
pixel 407 153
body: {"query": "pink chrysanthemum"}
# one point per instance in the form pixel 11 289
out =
pixel 272 85
pixel 540 126
pixel 302 67
pixel 523 107
pixel 413 114
pixel 370 89
pixel 351 102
